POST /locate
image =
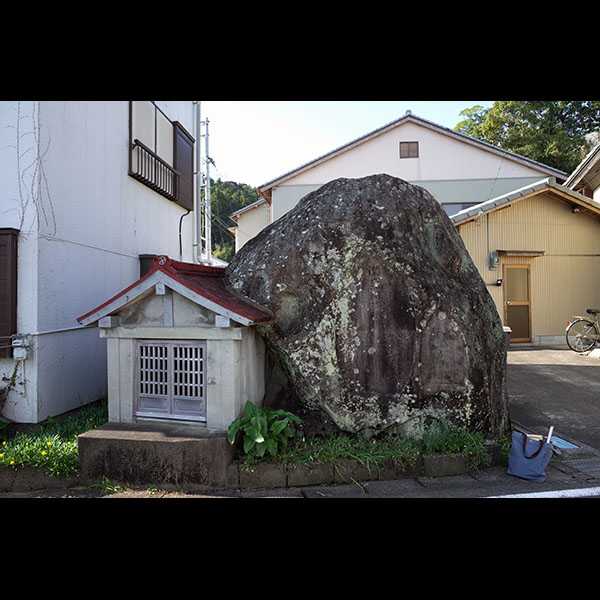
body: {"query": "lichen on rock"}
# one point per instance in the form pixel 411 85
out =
pixel 382 323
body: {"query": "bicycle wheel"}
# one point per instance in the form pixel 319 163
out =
pixel 581 335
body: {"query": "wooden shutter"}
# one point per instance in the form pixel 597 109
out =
pixel 171 380
pixel 183 162
pixel 8 289
pixel 188 380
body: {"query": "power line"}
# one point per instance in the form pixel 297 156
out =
pixel 237 185
pixel 223 225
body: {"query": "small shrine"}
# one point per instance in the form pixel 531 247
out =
pixel 182 347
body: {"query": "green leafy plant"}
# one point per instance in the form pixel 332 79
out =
pixel 263 431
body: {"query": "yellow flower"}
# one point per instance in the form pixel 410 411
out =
pixel 4 443
pixel 43 453
pixel 12 462
pixel 1 455
pixel 48 443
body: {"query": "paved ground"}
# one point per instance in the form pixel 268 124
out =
pixel 546 386
pixel 555 386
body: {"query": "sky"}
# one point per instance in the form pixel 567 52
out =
pixel 253 142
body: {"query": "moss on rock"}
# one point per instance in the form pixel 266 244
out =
pixel 383 322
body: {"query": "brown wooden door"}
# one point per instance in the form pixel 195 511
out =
pixel 517 302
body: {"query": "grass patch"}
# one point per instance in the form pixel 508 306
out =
pixel 263 435
pixel 446 439
pixel 374 452
pixel 52 445
pixel 335 449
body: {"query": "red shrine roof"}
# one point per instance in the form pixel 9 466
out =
pixel 202 284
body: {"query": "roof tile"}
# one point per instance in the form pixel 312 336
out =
pixel 206 281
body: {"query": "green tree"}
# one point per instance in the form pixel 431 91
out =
pixel 556 133
pixel 471 125
pixel 225 198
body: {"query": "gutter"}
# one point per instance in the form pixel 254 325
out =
pixel 198 186
pixel 584 167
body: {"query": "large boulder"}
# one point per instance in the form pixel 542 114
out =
pixel 383 323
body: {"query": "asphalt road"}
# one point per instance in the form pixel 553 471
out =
pixel 555 386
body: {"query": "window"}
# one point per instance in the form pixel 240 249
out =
pixel 8 289
pixel 409 149
pixel 171 380
pixel 161 153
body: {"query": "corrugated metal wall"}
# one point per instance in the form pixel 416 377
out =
pixel 564 281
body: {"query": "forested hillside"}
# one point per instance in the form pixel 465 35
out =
pixel 225 198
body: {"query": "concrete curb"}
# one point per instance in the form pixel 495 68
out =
pixel 27 479
pixel 265 475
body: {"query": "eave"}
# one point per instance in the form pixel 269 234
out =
pixel 201 284
pixel 547 185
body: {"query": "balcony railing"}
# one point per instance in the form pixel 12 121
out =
pixel 151 170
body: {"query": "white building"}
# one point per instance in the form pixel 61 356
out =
pixel 459 171
pixel 86 189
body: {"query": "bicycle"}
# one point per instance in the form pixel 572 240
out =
pixel 583 333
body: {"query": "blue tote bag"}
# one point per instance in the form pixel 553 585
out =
pixel 528 459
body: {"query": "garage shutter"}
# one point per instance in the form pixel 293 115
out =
pixel 8 289
pixel 183 148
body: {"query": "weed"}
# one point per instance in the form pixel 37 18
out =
pixel 444 438
pixel 108 487
pixel 336 449
pixel 263 431
pixel 373 452
pixel 52 446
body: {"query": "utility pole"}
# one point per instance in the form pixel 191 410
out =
pixel 207 216
pixel 203 208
